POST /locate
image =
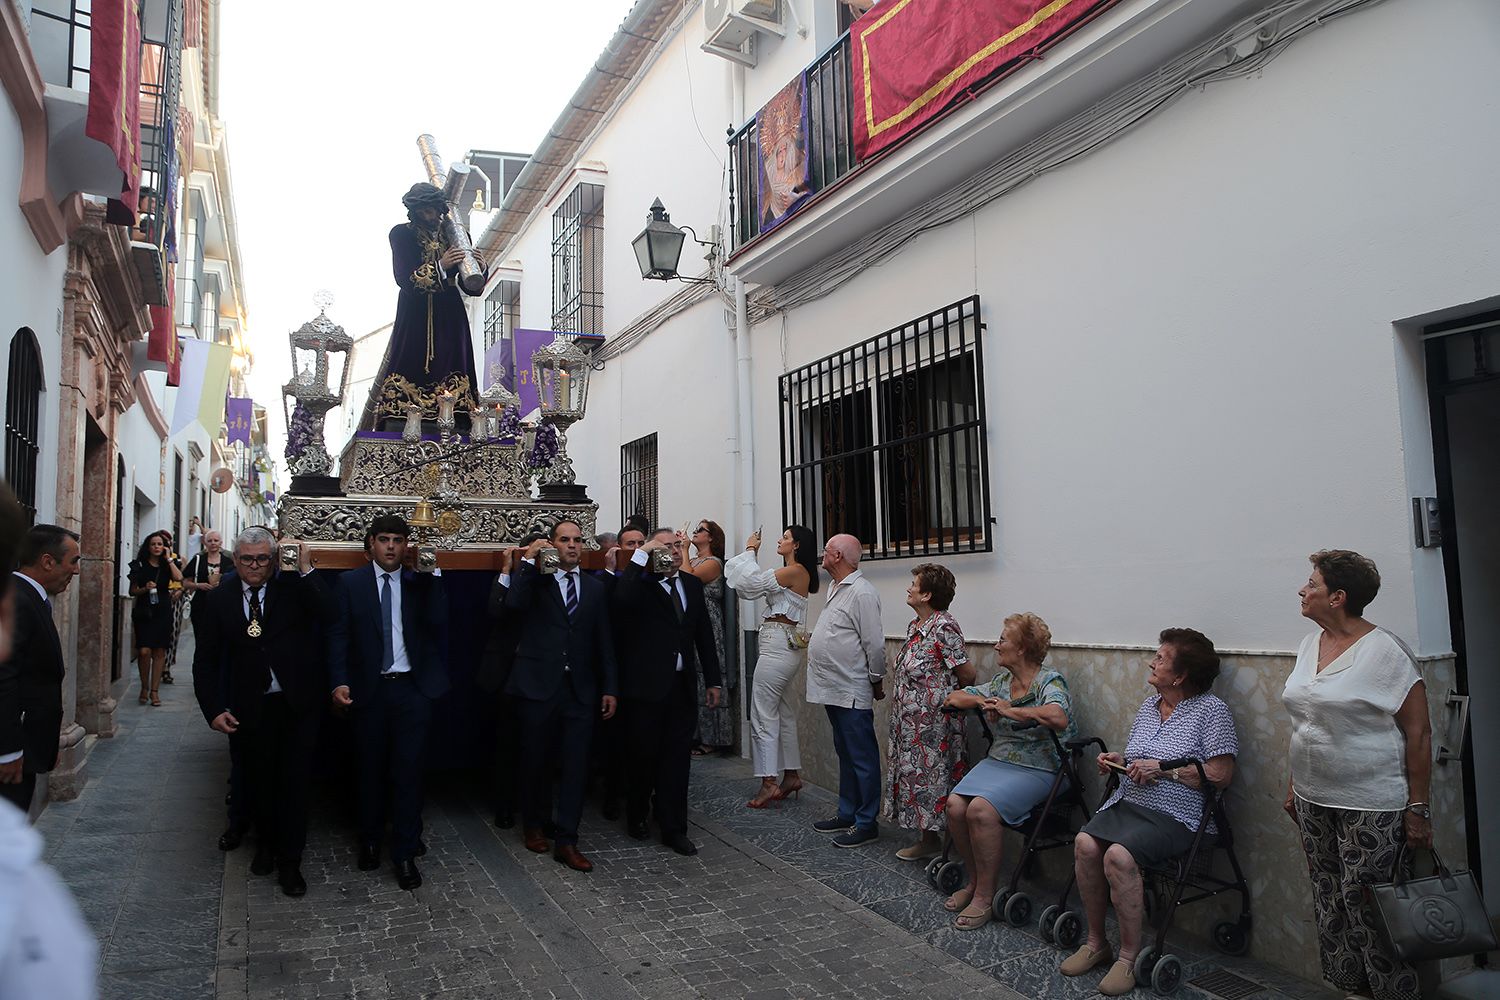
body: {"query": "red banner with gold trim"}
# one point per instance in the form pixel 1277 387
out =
pixel 114 115
pixel 912 59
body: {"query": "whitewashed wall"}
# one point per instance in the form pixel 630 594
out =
pixel 30 296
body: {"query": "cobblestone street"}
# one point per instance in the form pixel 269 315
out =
pixel 768 909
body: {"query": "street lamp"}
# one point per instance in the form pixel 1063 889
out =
pixel 659 247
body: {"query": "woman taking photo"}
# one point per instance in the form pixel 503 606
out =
pixel 151 576
pixel 715 725
pixel 926 747
pixel 783 652
pixel 1361 760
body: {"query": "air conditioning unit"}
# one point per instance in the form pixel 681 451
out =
pixel 731 26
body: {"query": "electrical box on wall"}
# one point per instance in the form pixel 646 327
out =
pixel 1427 522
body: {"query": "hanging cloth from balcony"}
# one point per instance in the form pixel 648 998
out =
pixel 913 60
pixel 783 167
pixel 114 114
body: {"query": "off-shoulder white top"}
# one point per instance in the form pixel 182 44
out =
pixel 750 581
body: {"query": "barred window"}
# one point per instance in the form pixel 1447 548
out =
pixel 638 490
pixel 578 261
pixel 502 313
pixel 885 440
pixel 23 425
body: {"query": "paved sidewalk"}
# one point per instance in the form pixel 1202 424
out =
pixel 768 910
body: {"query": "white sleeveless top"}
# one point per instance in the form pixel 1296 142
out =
pixel 750 581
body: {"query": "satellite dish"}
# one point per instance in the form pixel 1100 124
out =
pixel 221 480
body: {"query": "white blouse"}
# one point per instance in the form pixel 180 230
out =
pixel 1347 750
pixel 750 581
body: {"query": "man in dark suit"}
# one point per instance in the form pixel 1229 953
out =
pixel 669 639
pixel 31 680
pixel 563 674
pixel 387 664
pixel 491 678
pixel 609 735
pixel 260 678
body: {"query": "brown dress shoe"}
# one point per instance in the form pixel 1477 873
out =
pixel 536 840
pixel 569 855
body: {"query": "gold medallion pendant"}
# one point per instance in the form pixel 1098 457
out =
pixel 253 630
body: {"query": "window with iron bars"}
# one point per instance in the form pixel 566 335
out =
pixel 885 440
pixel 578 261
pixel 23 407
pixel 638 482
pixel 502 313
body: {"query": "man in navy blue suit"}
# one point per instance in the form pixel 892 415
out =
pixel 562 676
pixel 387 666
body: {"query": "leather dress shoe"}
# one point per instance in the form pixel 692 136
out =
pixel 369 857
pixel 537 841
pixel 680 843
pixel 407 876
pixel 638 831
pixel 569 855
pixel 264 862
pixel 292 882
pixel 231 838
pixel 421 848
pixel 505 820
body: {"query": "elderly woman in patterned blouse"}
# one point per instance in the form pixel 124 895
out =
pixel 1153 814
pixel 1019 770
pixel 926 747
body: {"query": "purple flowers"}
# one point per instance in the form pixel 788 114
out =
pixel 299 432
pixel 545 449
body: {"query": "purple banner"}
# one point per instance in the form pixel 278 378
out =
pixel 239 417
pixel 784 172
pixel 527 341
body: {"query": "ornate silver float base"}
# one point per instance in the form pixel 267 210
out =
pixel 482 524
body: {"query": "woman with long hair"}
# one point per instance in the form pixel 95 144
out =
pixel 783 652
pixel 715 725
pixel 151 576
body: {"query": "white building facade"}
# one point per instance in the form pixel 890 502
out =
pixel 1193 334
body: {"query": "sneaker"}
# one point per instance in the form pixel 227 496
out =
pixel 857 837
pixel 1084 959
pixel 835 825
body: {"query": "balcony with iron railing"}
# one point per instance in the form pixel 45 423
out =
pixel 830 144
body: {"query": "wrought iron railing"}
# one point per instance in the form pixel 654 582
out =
pixel 161 85
pixel 60 40
pixel 830 142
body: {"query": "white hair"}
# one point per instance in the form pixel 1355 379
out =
pixel 254 535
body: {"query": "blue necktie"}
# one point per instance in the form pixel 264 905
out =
pixel 388 644
pixel 570 598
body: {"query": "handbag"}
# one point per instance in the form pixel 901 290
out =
pixel 1439 916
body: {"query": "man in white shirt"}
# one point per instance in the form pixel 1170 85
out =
pixel 845 674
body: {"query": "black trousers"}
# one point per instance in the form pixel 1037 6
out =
pixel 507 758
pixel 276 755
pixel 659 735
pixel 555 735
pixel 20 794
pixel 390 738
pixel 239 798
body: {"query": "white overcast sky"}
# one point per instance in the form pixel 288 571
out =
pixel 323 101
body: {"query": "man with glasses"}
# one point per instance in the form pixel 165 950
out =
pixel 258 673
pixel 563 675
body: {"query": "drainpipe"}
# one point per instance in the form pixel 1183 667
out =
pixel 744 441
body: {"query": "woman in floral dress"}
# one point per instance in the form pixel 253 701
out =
pixel 926 747
pixel 715 725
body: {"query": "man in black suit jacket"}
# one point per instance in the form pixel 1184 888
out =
pixel 31 680
pixel 492 676
pixel 388 666
pixel 260 678
pixel 669 638
pixel 562 675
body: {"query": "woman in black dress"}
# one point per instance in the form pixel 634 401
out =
pixel 151 575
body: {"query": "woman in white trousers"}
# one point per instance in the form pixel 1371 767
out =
pixel 783 653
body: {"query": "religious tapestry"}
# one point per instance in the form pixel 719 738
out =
pixel 784 170
pixel 912 60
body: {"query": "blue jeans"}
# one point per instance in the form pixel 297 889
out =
pixel 859 764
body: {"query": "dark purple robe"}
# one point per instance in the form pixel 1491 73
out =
pixel 430 346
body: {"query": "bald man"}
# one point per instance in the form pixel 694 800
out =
pixel 845 671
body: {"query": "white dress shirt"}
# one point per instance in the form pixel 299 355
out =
pixel 671 584
pixel 846 655
pixel 245 589
pixel 400 663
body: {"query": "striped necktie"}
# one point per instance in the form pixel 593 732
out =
pixel 570 593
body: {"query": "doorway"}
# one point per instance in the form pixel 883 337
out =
pixel 1463 379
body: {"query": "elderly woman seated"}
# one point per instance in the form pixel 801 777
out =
pixel 1153 814
pixel 1019 771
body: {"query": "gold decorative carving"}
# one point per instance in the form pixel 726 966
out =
pixel 398 392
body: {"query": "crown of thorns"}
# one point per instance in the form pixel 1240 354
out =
pixel 423 196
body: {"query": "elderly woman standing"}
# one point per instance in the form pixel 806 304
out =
pixel 1017 775
pixel 925 750
pixel 1152 815
pixel 1361 759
